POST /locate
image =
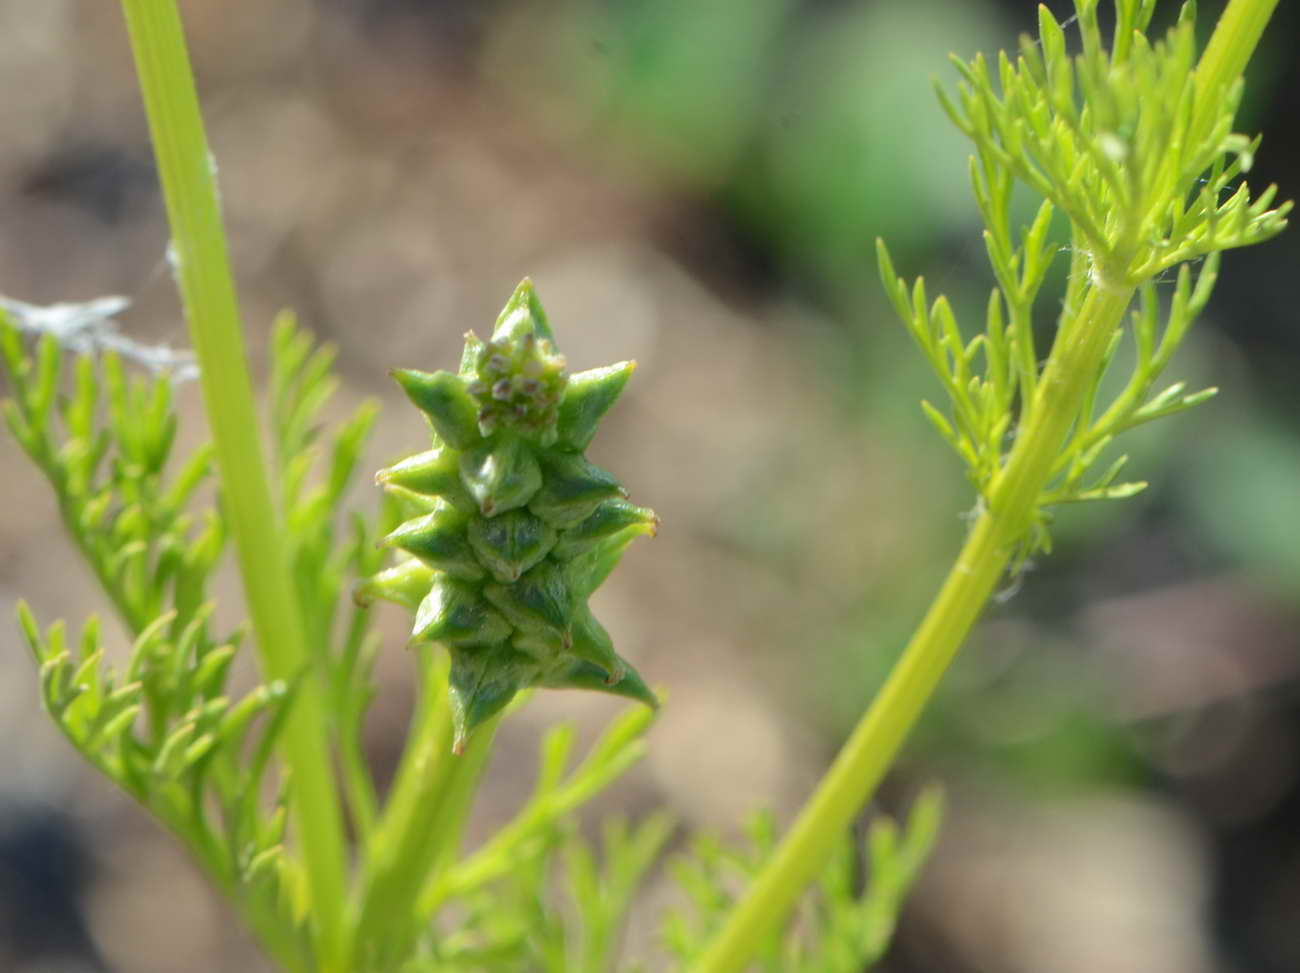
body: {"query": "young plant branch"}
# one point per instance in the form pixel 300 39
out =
pixel 1118 256
pixel 201 263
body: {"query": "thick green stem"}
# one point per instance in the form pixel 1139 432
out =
pixel 1224 60
pixel 1014 496
pixel 207 289
pixel 421 825
pixel 876 740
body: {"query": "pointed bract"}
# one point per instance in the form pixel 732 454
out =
pixel 510 544
pixel 611 517
pixel 410 504
pixel 482 684
pixel 438 539
pixel 444 399
pixel 583 675
pixel 587 571
pixel 405 583
pixel 434 473
pixel 592 643
pixel 587 398
pixel 456 614
pixel 539 602
pixel 571 490
pixel 500 475
pixel 524 301
pixel 469 357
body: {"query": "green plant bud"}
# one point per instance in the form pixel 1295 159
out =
pixel 571 490
pixel 510 544
pixel 586 400
pixel 611 518
pixel 456 614
pixel 510 527
pixel 406 583
pixel 501 475
pixel 438 539
pixel 435 473
pixel 442 397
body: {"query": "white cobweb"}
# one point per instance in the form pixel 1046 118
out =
pixel 90 327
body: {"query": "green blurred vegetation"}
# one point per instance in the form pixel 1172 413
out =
pixel 409 159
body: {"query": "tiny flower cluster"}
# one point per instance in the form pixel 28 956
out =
pixel 521 380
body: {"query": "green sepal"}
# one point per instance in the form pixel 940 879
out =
pixel 538 604
pixel 592 643
pixel 438 539
pixel 542 644
pixel 523 305
pixel 587 398
pixel 470 355
pixel 443 398
pixel 432 473
pixel 481 684
pixel 610 518
pixel 587 571
pixel 405 584
pixel 455 614
pixel 584 675
pixel 511 543
pixel 501 476
pixel 571 490
pixel 407 503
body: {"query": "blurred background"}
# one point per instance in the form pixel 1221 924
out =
pixel 697 186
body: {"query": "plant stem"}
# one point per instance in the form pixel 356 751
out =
pixel 207 290
pixel 871 749
pixel 1229 50
pixel 420 780
pixel 1013 498
pixel 421 824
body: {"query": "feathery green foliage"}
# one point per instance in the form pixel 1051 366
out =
pixel 505 531
pixel 508 917
pixel 1134 148
pixel 130 521
pixel 844 925
pixel 1147 180
pixel 168 727
pixel 165 725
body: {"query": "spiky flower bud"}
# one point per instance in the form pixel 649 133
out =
pixel 516 529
